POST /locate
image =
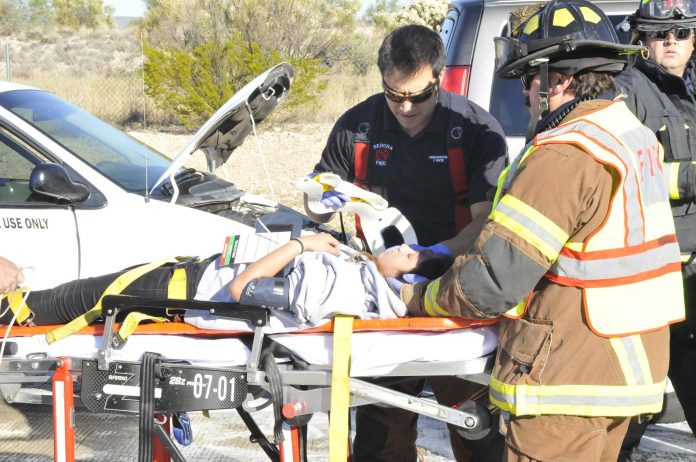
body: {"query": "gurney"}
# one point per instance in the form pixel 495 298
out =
pixel 167 368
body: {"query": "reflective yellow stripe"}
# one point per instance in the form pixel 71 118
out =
pixel 131 323
pixel 116 287
pixel 499 189
pixel 176 289
pixel 581 400
pixel 517 310
pixel 673 179
pixel 340 388
pixel 20 309
pixel 633 359
pixel 624 360
pixel 531 225
pixel 430 300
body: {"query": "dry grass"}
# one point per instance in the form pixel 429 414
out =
pixel 344 90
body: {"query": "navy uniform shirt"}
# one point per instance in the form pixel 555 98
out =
pixel 412 173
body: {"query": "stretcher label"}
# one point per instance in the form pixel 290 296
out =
pixel 178 388
pixel 247 248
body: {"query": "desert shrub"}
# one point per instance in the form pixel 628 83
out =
pixel 198 52
pixel 46 14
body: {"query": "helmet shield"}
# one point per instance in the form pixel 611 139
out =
pixel 667 9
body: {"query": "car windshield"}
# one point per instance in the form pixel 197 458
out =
pixel 119 157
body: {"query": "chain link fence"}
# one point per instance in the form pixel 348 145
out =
pixel 102 72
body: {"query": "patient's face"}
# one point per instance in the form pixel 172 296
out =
pixel 398 261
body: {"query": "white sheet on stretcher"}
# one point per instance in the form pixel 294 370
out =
pixel 373 353
pixel 378 353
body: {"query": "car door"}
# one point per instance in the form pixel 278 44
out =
pixel 36 233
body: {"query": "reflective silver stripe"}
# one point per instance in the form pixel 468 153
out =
pixel 609 268
pixel 539 401
pixel 635 141
pixel 532 226
pixel 633 360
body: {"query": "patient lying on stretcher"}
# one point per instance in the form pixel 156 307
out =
pixel 323 282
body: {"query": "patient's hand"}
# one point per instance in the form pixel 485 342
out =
pixel 321 242
pixel 10 276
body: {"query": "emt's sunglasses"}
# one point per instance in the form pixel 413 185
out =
pixel 680 33
pixel 415 98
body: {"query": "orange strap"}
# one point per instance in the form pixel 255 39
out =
pixel 424 324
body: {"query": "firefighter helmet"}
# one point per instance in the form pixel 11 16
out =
pixel 570 35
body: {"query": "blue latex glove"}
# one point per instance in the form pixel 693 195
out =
pixel 411 278
pixel 437 248
pixel 395 284
pixel 333 198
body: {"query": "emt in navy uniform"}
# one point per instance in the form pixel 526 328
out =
pixel 433 155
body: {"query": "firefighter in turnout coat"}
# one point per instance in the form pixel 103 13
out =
pixel 579 255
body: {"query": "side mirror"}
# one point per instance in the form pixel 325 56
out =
pixel 52 180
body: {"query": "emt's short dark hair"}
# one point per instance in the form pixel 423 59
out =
pixel 592 84
pixel 409 48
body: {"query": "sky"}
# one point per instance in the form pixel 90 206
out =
pixel 137 7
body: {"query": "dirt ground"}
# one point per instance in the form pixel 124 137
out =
pixel 286 151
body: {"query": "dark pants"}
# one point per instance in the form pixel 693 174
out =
pixel 70 300
pixel 387 434
pixel 682 364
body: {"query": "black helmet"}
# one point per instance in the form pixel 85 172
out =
pixel 567 35
pixel 662 14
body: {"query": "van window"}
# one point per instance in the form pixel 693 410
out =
pixel 508 103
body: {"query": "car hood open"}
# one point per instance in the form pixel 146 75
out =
pixel 226 129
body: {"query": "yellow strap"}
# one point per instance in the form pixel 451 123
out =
pixel 340 388
pixel 15 301
pixel 116 287
pixel 176 289
pixel 131 323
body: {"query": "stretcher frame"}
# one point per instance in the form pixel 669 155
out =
pixel 306 389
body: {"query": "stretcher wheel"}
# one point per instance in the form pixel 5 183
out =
pixel 483 425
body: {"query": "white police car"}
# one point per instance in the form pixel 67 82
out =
pixel 81 198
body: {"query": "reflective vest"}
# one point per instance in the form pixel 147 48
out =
pixel 629 268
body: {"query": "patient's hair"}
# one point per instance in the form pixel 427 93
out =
pixel 431 268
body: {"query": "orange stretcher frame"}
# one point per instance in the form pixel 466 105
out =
pixel 360 325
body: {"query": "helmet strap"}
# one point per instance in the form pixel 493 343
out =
pixel 544 89
pixel 543 98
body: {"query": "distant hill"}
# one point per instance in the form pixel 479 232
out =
pixel 124 21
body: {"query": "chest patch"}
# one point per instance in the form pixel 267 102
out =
pixel 382 153
pixel 438 158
